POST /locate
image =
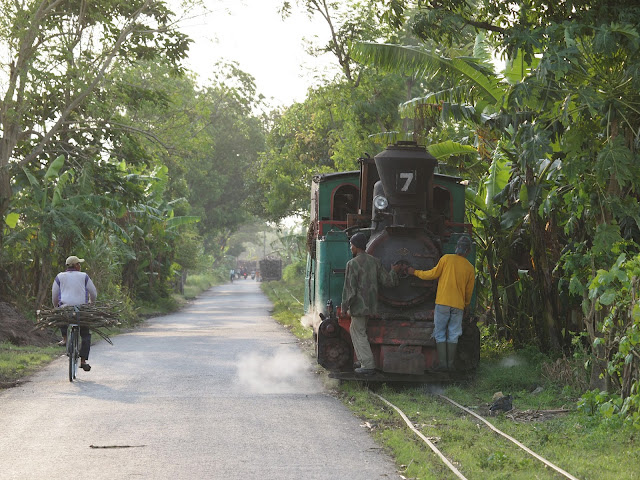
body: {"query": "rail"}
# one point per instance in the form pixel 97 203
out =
pixel 275 292
pixel 447 462
pixel 529 451
pixel 425 439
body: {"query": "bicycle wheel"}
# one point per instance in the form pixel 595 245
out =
pixel 76 351
pixel 73 353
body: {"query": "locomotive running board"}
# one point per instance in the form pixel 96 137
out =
pixel 398 377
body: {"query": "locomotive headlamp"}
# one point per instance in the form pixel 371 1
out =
pixel 380 202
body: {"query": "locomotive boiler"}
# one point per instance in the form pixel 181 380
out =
pixel 411 215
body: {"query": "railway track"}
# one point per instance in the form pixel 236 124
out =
pixel 450 464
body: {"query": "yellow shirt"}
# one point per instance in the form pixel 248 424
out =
pixel 456 278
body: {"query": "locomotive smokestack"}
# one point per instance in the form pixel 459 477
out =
pixel 406 172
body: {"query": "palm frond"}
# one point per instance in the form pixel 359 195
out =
pixel 448 148
pixel 419 61
pixel 175 222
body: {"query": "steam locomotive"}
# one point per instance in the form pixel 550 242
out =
pixel 411 215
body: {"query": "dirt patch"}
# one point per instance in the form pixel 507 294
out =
pixel 18 330
pixel 526 416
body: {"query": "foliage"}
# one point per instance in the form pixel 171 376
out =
pixel 338 122
pixel 569 139
pixel 492 344
pixel 146 233
pixel 557 137
pixel 63 142
pixel 288 309
pixel 293 272
pixel 17 362
pixel 327 132
pixel 55 81
pixel 611 408
pixel 617 334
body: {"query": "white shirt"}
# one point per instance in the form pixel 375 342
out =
pixel 72 288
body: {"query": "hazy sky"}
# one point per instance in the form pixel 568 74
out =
pixel 252 33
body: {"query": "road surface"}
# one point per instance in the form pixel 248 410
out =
pixel 218 390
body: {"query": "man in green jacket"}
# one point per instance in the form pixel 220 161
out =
pixel 360 297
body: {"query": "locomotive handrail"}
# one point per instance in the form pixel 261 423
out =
pixel 467 226
pixel 322 223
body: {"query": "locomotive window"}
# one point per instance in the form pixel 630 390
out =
pixel 442 202
pixel 345 201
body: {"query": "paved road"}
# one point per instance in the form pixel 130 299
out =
pixel 216 391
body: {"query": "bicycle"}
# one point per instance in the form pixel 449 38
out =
pixel 73 346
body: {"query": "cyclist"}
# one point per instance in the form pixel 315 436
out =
pixel 73 287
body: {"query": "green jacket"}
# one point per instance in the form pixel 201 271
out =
pixel 361 279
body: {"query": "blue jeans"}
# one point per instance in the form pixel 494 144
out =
pixel 448 324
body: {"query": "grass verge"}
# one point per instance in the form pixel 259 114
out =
pixel 18 362
pixel 287 306
pixel 576 443
pixel 584 446
pixel 196 284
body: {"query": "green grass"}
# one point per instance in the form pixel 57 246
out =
pixel 573 442
pixel 586 447
pixel 196 284
pixel 17 362
pixel 287 305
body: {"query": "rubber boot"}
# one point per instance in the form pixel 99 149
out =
pixel 451 355
pixel 442 356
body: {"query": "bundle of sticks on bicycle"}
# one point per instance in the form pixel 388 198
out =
pixel 96 316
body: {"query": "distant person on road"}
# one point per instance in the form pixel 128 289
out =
pixel 360 297
pixel 232 274
pixel 456 277
pixel 72 287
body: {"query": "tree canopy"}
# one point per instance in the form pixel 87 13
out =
pixel 111 150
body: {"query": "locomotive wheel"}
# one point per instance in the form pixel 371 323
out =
pixel 333 353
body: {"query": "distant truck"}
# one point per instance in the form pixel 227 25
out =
pixel 270 269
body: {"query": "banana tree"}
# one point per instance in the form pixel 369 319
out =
pixel 48 220
pixel 478 99
pixel 151 231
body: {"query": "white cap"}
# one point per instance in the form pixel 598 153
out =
pixel 72 260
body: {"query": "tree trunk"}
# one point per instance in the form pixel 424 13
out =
pixel 7 144
pixel 598 365
pixel 497 308
pixel 542 276
pixel 44 277
pixel 183 280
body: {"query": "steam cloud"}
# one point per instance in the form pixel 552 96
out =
pixel 511 361
pixel 285 372
pixel 307 320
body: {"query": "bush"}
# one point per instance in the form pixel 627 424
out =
pixel 294 272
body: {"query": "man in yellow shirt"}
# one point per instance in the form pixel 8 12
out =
pixel 456 277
